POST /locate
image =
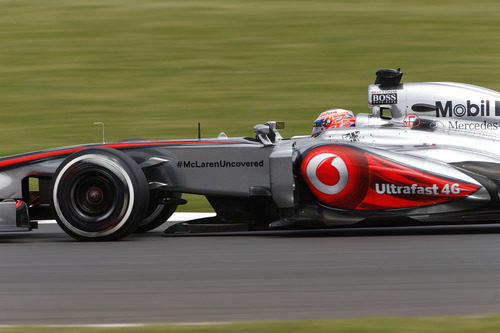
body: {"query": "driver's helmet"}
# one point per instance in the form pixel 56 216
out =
pixel 334 118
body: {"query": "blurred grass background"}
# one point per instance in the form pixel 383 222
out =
pixel 154 68
pixel 463 324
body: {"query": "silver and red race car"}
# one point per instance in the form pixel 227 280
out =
pixel 428 153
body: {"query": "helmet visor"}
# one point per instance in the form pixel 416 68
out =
pixel 318 127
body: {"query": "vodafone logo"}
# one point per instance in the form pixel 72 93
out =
pixel 337 175
pixel 328 173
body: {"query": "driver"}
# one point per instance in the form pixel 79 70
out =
pixel 334 118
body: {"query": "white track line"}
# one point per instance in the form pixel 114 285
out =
pixel 195 323
pixel 176 217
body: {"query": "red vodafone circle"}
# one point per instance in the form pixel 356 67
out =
pixel 336 175
pixel 327 173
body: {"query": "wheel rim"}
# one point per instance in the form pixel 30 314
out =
pixel 93 196
pixel 101 195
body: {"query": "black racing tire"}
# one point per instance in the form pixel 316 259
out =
pixel 99 194
pixel 158 213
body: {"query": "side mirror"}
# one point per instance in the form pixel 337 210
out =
pixel 261 129
pixel 268 133
pixel 262 132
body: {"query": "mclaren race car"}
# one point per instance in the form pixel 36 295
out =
pixel 428 153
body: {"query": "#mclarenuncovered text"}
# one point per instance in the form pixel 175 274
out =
pixel 219 164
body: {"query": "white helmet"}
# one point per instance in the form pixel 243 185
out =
pixel 334 118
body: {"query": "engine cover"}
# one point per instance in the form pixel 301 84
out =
pixel 350 178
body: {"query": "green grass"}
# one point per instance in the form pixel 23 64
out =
pixel 195 203
pixel 471 324
pixel 155 68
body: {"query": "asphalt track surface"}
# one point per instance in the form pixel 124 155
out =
pixel 48 278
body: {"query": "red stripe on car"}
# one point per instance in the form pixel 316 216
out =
pixel 38 156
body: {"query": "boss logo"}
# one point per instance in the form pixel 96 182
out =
pixel 386 98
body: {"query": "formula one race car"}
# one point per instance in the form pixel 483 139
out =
pixel 427 154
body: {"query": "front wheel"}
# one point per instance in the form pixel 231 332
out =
pixel 99 194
